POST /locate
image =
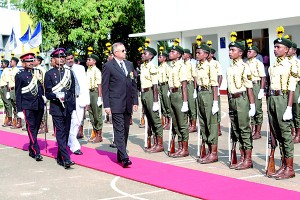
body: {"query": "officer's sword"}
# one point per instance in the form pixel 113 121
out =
pixel 146 132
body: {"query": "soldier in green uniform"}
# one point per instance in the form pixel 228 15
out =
pixel 241 104
pixel 259 81
pixel 292 57
pixel 11 86
pixel 191 88
pixel 281 96
pixel 163 76
pixel 217 65
pixel 94 77
pixel 4 92
pixel 179 101
pixel 149 98
pixel 207 83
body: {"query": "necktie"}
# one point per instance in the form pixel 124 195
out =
pixel 77 87
pixel 122 67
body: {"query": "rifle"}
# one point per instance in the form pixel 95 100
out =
pixel 233 154
pixel 45 124
pixel 270 167
pixel 171 145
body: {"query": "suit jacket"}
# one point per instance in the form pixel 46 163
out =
pixel 119 91
pixel 52 78
pixel 31 100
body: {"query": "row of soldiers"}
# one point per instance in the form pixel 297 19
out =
pixel 183 87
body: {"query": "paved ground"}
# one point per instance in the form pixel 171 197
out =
pixel 23 178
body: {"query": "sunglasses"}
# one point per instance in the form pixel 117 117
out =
pixel 123 51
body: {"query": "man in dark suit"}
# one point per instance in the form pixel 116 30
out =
pixel 120 97
pixel 60 90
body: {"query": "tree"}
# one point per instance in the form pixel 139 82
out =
pixel 78 24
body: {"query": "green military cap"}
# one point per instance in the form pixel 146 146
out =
pixel 284 41
pixel 204 47
pixel 163 53
pixel 95 57
pixel 294 45
pixel 254 48
pixel 187 51
pixel 179 49
pixel 151 50
pixel 40 58
pixel 5 61
pixel 15 59
pixel 239 45
pixel 212 50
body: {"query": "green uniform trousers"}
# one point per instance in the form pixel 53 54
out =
pixel 208 121
pixel 179 119
pixel 281 129
pixel 6 102
pixel 258 117
pixel 191 101
pixel 219 113
pixel 95 111
pixel 165 100
pixel 239 117
pixel 296 108
pixel 13 101
pixel 153 118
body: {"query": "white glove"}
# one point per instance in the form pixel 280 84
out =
pixel 185 107
pixel 252 110
pixel 299 99
pixel 21 115
pixel 287 114
pixel 60 95
pixel 218 91
pixel 7 95
pixel 215 108
pixel 168 94
pixel 45 99
pixel 155 106
pixel 195 94
pixel 99 101
pixel 261 94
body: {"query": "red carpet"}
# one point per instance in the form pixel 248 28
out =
pixel 182 180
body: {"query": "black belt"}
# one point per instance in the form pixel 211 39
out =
pixel 235 95
pixel 2 87
pixel 203 88
pixel 146 89
pixel 277 92
pixel 256 82
pixel 174 90
pixel 164 83
pixel 94 89
pixel 12 88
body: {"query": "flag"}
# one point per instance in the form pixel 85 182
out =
pixel 36 37
pixel 25 38
pixel 12 41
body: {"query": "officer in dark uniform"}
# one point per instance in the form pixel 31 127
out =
pixel 30 102
pixel 60 90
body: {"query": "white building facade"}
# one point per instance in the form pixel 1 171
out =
pixel 216 19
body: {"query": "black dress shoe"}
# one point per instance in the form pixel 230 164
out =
pixel 78 152
pixel 61 163
pixel 38 157
pixel 126 163
pixel 31 154
pixel 68 164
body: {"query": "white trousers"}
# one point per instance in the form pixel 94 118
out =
pixel 77 117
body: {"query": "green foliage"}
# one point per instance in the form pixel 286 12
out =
pixel 78 24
